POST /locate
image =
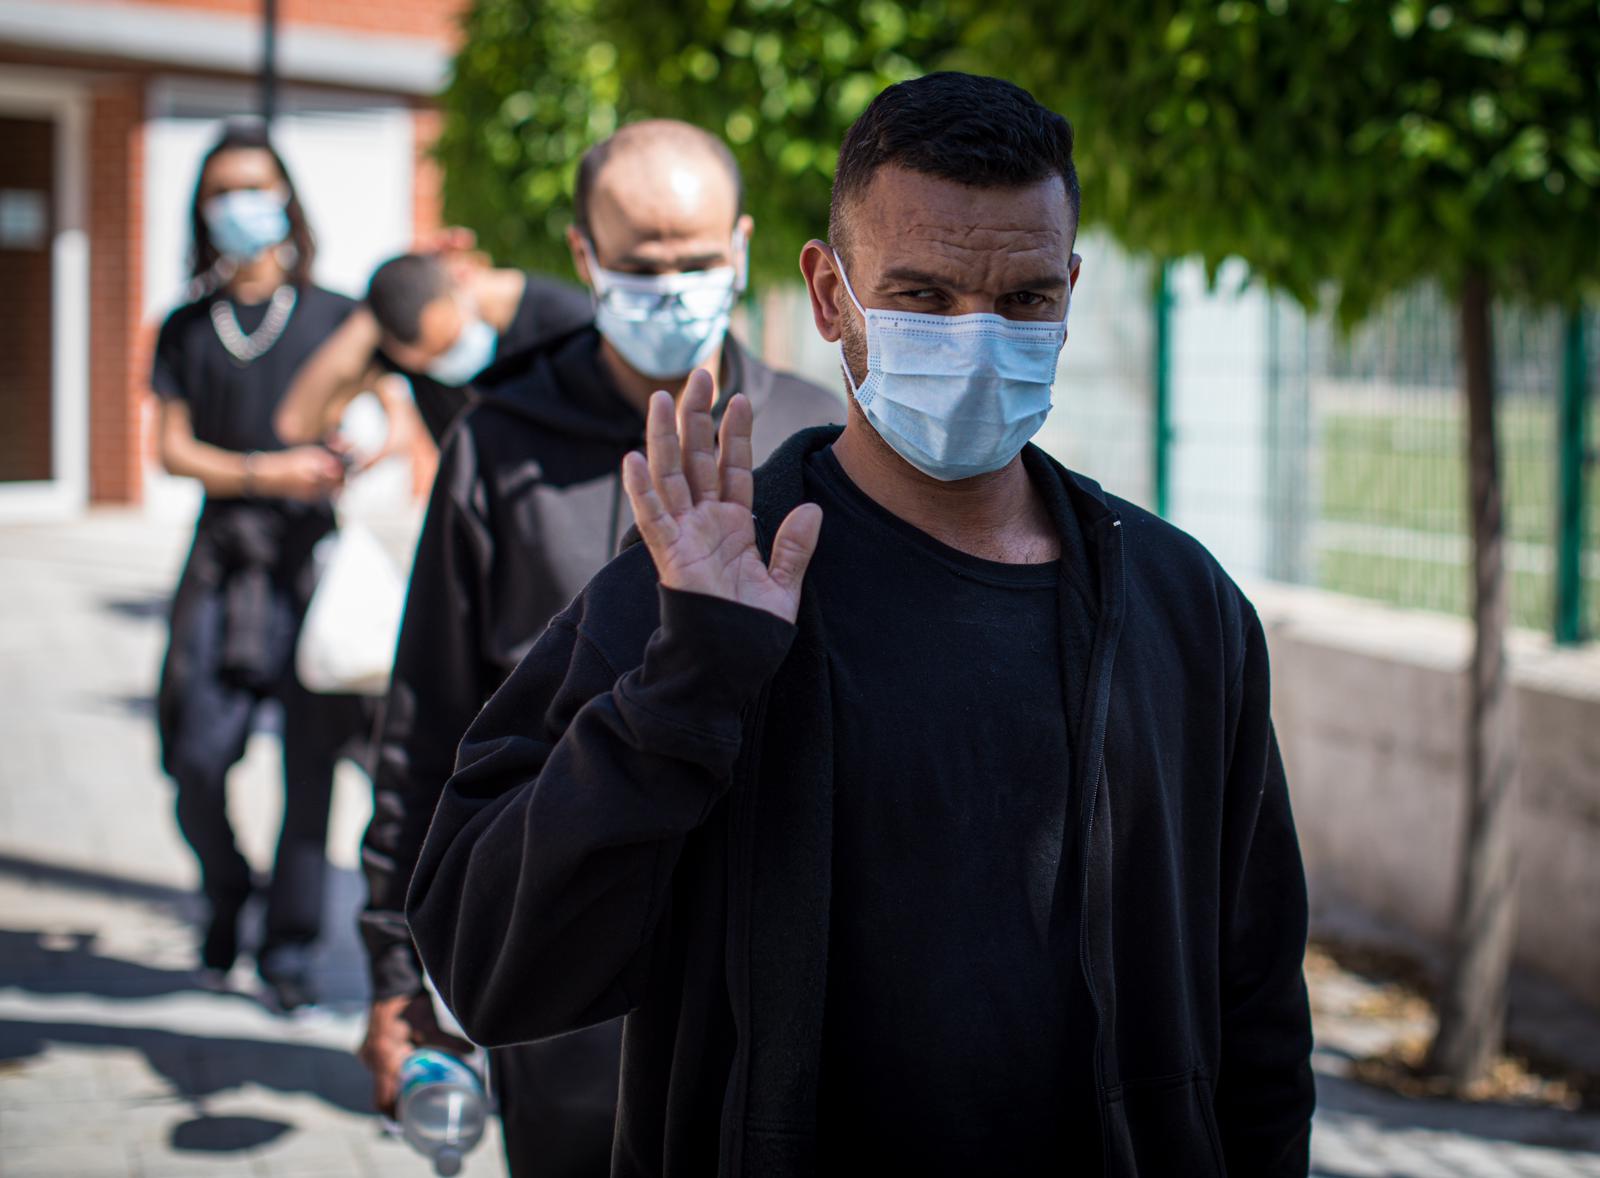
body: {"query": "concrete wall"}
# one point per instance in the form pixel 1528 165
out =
pixel 1370 705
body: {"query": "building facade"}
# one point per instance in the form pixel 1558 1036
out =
pixel 105 109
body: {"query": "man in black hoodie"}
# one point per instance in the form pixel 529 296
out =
pixel 527 505
pixel 917 800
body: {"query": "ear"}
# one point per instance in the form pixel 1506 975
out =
pixel 580 255
pixel 825 288
pixel 1072 271
pixel 742 229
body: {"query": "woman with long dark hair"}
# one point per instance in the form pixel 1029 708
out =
pixel 223 361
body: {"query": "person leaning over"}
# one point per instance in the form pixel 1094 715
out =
pixel 916 800
pixel 437 318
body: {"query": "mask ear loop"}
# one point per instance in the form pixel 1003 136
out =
pixel 844 361
pixel 596 279
pixel 838 264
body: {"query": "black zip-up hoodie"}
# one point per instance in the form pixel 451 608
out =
pixel 640 822
pixel 526 507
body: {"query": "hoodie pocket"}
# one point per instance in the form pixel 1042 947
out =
pixel 1163 1127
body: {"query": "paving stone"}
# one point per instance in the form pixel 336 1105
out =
pixel 66 1160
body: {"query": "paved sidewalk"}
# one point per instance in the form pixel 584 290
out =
pixel 112 1062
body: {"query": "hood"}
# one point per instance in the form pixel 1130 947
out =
pixel 562 386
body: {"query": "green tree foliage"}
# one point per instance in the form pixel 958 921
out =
pixel 540 80
pixel 1371 144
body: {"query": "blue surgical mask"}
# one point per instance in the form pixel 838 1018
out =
pixel 472 352
pixel 955 395
pixel 665 325
pixel 246 222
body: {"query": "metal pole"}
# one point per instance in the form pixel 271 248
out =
pixel 269 60
pixel 1161 394
pixel 1569 627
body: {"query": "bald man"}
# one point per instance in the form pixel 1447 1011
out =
pixel 527 506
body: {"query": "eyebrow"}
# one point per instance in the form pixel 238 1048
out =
pixel 1047 281
pixel 692 262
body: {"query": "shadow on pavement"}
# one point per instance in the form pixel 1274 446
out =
pixel 1548 1128
pixel 41 873
pixel 67 962
pixel 200 1066
pixel 226 1134
pixel 147 608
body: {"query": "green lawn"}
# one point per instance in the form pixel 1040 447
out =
pixel 1393 491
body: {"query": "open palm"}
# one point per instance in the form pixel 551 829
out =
pixel 692 498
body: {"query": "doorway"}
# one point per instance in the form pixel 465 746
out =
pixel 27 207
pixel 44 296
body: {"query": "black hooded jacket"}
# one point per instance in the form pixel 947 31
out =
pixel 527 506
pixel 640 822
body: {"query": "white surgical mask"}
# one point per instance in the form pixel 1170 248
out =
pixel 472 352
pixel 246 222
pixel 954 395
pixel 665 325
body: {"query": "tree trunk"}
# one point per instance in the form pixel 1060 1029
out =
pixel 1472 1010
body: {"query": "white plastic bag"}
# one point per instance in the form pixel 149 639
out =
pixel 347 642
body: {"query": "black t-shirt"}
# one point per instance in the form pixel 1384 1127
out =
pixel 548 308
pixel 231 403
pixel 948 1042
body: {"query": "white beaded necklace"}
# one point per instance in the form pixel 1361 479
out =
pixel 247 347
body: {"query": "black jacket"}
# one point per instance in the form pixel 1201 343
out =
pixel 640 821
pixel 527 506
pixel 258 554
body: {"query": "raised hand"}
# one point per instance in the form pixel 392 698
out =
pixel 692 499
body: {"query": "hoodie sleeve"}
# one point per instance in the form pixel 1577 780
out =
pixel 1264 1088
pixel 436 687
pixel 542 889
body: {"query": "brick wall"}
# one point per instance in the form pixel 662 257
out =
pixel 414 18
pixel 427 182
pixel 118 348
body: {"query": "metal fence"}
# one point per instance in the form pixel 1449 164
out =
pixel 1389 448
pixel 1300 453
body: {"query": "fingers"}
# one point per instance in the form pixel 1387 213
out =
pixel 385 1090
pixel 656 523
pixel 698 434
pixel 735 460
pixel 664 455
pixel 794 544
pixel 326 469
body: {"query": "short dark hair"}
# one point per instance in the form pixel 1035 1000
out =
pixel 247 135
pixel 983 132
pixel 401 288
pixel 686 134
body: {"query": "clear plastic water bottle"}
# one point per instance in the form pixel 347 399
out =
pixel 442 1108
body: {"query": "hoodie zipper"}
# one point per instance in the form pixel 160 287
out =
pixel 1096 766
